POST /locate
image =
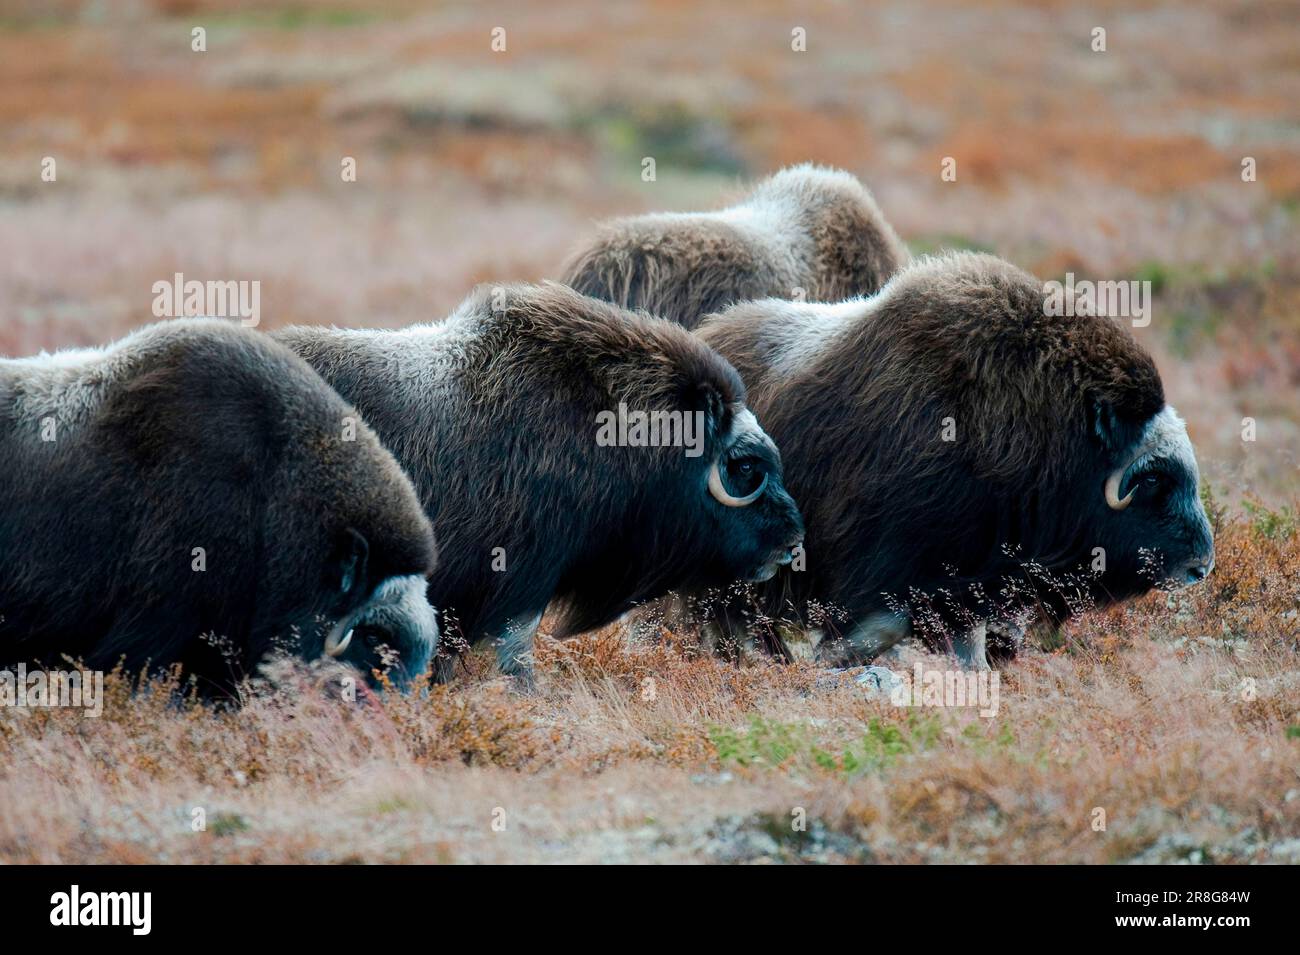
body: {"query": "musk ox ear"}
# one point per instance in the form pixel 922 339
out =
pixel 1112 433
pixel 704 396
pixel 349 565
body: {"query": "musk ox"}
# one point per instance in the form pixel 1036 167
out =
pixel 195 494
pixel 961 458
pixel 532 422
pixel 806 228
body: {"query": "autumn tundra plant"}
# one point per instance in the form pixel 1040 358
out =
pixel 939 687
pixel 1175 714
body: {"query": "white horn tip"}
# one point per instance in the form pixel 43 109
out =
pixel 336 647
pixel 1113 499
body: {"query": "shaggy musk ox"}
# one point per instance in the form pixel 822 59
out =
pixel 961 458
pixel 196 494
pixel 804 228
pixel 500 414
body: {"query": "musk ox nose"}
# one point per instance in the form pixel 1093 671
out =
pixel 1197 570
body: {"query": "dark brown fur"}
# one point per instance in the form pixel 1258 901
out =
pixel 806 228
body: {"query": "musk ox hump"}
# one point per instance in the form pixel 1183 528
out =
pixel 807 232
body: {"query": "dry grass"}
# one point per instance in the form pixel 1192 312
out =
pixel 476 166
pixel 1179 716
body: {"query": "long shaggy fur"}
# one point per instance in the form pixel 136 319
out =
pixel 806 227
pixel 493 413
pixel 863 397
pixel 117 463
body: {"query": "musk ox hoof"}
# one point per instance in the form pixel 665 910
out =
pixel 989 644
pixel 866 641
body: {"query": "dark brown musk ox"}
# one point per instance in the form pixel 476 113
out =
pixel 522 420
pixel 196 494
pixel 963 459
pixel 807 233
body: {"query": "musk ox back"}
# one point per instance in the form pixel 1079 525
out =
pixel 960 456
pixel 806 228
pixel 196 494
pixel 566 450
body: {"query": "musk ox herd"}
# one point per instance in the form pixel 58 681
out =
pixel 874 447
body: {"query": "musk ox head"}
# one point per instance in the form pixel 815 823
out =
pixel 385 627
pixel 691 521
pixel 1150 520
pixel 806 231
pixel 655 509
pixel 758 524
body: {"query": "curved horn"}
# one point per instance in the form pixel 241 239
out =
pixel 1116 502
pixel 335 646
pixel 719 492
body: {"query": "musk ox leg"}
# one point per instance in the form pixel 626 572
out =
pixel 989 643
pixel 1005 638
pixel 515 650
pixel 971 647
pixel 868 639
pixel 798 642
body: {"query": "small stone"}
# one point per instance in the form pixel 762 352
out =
pixel 878 680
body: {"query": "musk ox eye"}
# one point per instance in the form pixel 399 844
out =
pixel 744 474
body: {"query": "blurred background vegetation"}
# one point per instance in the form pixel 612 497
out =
pixel 475 165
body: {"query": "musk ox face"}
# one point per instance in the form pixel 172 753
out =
pixel 1152 524
pixel 394 631
pixel 758 521
pixel 690 524
pixel 370 606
